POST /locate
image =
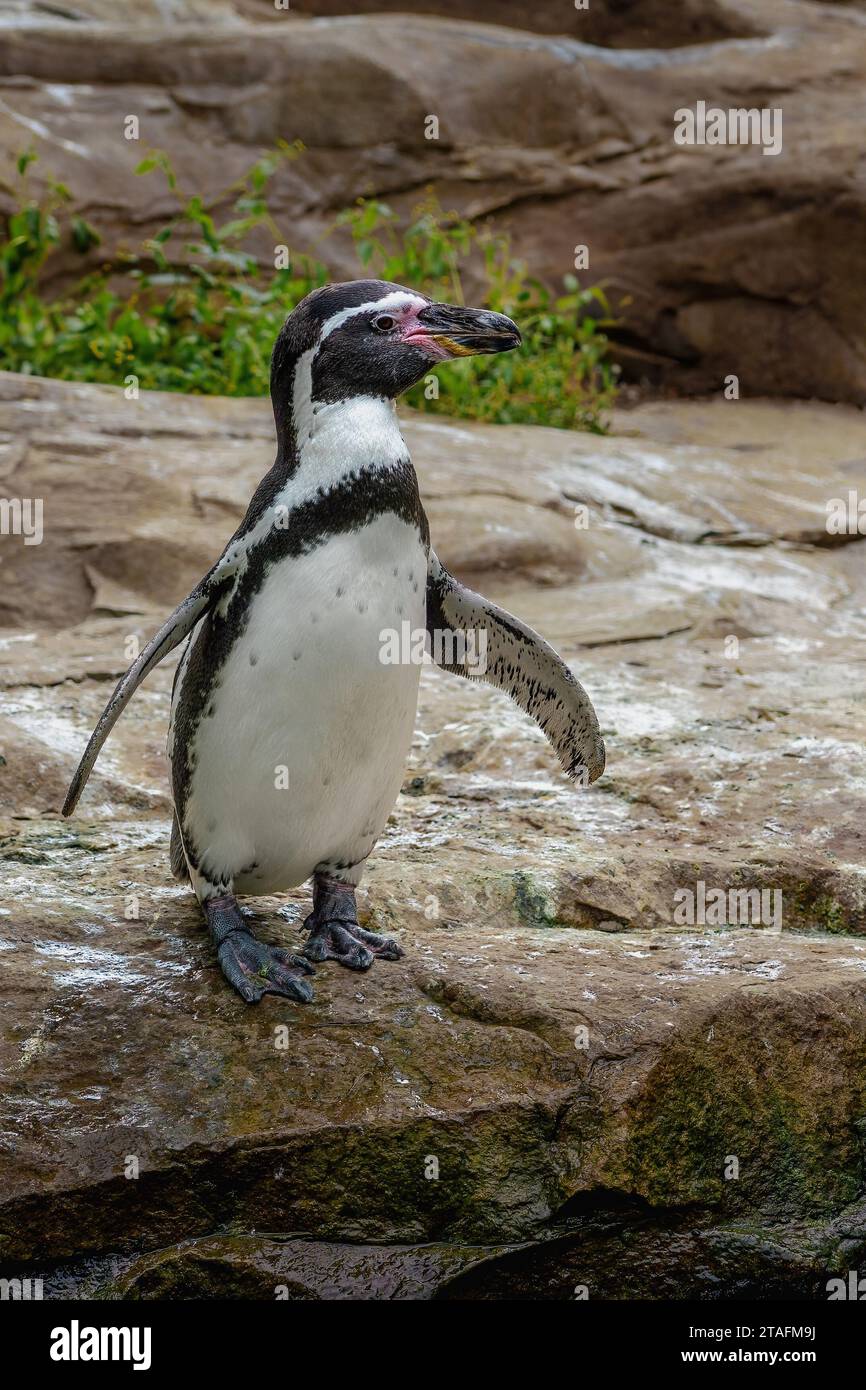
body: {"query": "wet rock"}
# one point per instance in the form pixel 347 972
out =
pixel 256 1267
pixel 560 1062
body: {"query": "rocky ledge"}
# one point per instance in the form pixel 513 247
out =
pixel 570 1081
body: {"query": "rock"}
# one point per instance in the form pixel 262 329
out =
pixel 617 23
pixel 560 1072
pixel 718 260
pixel 256 1267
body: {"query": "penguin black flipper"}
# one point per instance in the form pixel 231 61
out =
pixel 519 662
pixel 176 856
pixel 179 625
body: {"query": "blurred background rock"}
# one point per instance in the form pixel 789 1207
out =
pixel 555 122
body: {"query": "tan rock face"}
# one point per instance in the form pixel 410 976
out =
pixel 617 23
pixel 718 259
pixel 562 1057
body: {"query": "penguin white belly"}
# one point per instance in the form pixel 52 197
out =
pixel 299 764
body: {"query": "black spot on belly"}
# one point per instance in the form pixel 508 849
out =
pixel 253 658
pixel 361 606
pixel 296 656
pixel 340 591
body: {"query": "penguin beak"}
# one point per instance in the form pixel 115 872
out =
pixel 460 332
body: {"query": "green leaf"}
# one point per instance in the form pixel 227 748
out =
pixel 84 236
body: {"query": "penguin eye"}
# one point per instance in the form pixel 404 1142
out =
pixel 383 323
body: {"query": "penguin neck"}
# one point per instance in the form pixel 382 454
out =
pixel 321 441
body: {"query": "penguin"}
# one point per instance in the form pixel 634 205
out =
pixel 289 731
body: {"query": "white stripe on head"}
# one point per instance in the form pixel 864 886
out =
pixel 302 386
pixel 337 439
pixel 396 299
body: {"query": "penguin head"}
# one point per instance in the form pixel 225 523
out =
pixel 375 338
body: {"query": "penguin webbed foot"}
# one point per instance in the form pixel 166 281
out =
pixel 255 969
pixel 251 966
pixel 335 933
pixel 347 944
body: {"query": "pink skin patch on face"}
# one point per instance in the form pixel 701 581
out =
pixel 411 331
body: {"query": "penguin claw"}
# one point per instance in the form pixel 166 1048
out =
pixel 286 957
pixel 348 944
pixel 334 941
pixel 383 947
pixel 255 969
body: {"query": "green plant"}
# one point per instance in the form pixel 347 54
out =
pixel 562 376
pixel 194 310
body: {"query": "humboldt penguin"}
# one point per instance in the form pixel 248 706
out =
pixel 289 729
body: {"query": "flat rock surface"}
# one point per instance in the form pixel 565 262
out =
pixel 559 1057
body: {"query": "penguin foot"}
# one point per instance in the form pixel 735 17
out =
pixel 335 933
pixel 251 967
pixel 347 944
